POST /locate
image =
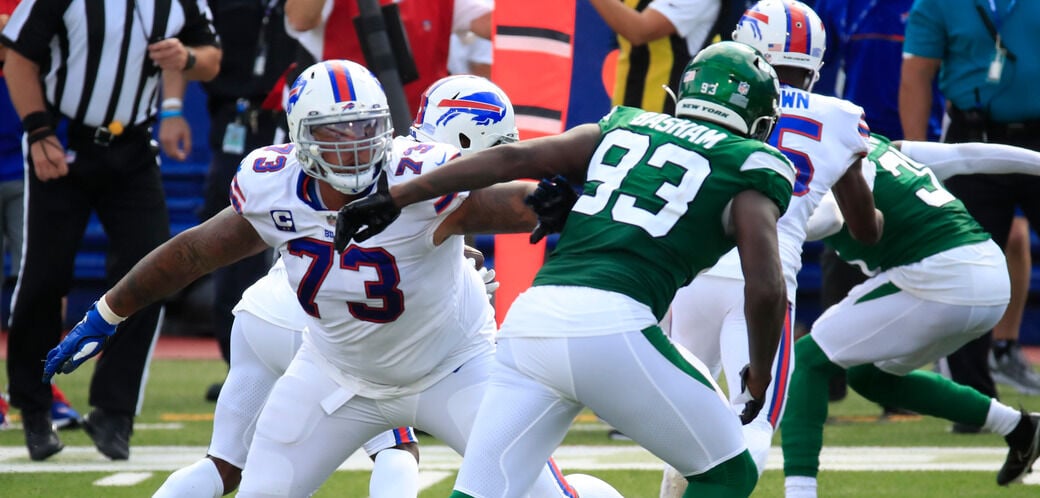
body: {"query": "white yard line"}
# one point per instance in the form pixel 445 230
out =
pixel 441 458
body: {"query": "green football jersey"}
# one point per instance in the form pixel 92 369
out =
pixel 650 217
pixel 921 217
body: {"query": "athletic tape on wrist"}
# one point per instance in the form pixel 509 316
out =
pixel 107 314
pixel 172 103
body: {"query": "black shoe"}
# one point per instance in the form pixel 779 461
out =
pixel 1023 448
pixel 213 392
pixel 617 435
pixel 110 432
pixel 895 411
pixel 837 388
pixel 959 428
pixel 40 437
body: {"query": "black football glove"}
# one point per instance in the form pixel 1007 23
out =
pixel 376 211
pixel 751 405
pixel 552 202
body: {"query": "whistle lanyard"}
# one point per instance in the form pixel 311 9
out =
pixel 848 31
pixel 260 63
pixel 996 12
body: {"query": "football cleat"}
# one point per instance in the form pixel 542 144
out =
pixel 1023 448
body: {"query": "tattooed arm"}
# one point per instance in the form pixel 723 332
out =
pixel 220 241
pixel 499 208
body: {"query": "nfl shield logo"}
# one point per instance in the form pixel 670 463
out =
pixel 743 88
pixel 331 219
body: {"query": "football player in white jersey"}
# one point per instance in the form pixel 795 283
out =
pixel 397 327
pixel 825 138
pixel 269 320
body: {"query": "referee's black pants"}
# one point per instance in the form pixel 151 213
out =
pixel 122 184
pixel 229 282
pixel 991 200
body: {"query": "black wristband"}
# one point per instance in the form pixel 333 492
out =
pixel 36 120
pixel 190 63
pixel 40 134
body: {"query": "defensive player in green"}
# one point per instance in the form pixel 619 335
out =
pixel 938 281
pixel 663 198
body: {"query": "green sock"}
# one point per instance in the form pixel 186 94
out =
pixel 924 392
pixel 459 494
pixel 735 477
pixel 801 429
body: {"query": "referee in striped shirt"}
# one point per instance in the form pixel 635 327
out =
pixel 84 77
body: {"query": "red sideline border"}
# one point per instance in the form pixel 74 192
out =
pixel 168 348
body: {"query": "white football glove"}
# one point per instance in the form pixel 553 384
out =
pixel 488 277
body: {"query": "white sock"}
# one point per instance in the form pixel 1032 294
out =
pixel 197 480
pixel 1001 419
pixel 799 487
pixel 759 436
pixel 394 475
pixel 673 484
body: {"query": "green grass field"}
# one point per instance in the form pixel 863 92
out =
pixel 175 414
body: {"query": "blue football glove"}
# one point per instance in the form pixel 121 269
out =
pixel 85 341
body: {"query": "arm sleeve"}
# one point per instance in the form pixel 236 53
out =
pixel 948 160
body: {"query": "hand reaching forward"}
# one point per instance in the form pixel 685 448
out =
pixel 85 341
pixel 376 211
pixel 552 202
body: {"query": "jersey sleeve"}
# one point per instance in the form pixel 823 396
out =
pixel 688 17
pixel 925 30
pixel 261 181
pixel 466 11
pixel 849 127
pixel 32 26
pixel 772 174
pixel 198 27
pixel 414 159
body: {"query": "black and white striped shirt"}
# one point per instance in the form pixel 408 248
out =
pixel 93 54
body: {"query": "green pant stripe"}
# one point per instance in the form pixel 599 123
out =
pixel 661 343
pixel 885 289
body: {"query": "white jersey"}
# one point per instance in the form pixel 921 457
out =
pixel 273 300
pixel 822 136
pixel 392 315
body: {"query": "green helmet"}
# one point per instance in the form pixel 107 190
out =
pixel 729 83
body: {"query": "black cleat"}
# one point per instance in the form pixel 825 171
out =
pixel 110 432
pixel 213 391
pixel 1023 448
pixel 40 438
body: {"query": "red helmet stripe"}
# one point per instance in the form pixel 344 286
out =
pixel 342 86
pixel 469 104
pixel 760 16
pixel 798 31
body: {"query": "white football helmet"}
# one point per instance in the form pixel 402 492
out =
pixel 466 111
pixel 787 32
pixel 344 103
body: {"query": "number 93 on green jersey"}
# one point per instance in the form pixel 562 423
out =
pixel 650 216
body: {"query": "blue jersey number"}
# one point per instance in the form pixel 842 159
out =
pixel 805 127
pixel 384 288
